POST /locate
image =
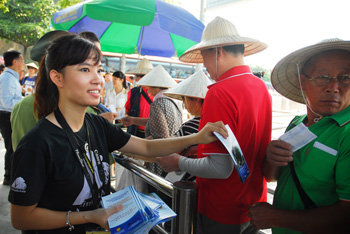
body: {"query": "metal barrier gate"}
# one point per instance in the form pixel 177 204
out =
pixel 183 194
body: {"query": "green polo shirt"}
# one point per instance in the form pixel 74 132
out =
pixel 322 166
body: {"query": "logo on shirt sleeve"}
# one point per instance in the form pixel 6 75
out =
pixel 19 185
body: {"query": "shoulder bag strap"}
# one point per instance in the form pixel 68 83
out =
pixel 308 203
pixel 144 94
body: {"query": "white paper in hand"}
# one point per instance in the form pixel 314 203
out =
pixel 113 109
pixel 298 136
pixel 120 113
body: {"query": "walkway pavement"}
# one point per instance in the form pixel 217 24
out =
pixel 5 219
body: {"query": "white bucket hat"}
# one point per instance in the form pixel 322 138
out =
pixel 221 32
pixel 284 77
pixel 195 86
pixel 158 77
pixel 142 67
pixel 32 65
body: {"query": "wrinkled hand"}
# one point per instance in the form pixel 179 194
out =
pixel 127 121
pixel 206 136
pixel 260 215
pixel 110 116
pixel 100 216
pixel 169 163
pixel 279 153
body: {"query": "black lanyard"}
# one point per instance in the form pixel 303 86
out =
pixel 96 193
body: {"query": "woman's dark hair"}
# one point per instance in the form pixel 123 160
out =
pixel 120 75
pixel 64 51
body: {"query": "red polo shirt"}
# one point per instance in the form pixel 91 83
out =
pixel 242 101
pixel 144 106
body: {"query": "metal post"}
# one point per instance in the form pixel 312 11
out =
pixel 123 63
pixel 185 206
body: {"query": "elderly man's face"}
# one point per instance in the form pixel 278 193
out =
pixel 333 97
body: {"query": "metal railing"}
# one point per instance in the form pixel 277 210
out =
pixel 183 194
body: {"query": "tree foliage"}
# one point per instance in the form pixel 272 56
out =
pixel 3 6
pixel 66 3
pixel 267 72
pixel 25 21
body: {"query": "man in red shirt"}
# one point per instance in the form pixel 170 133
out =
pixel 139 102
pixel 241 100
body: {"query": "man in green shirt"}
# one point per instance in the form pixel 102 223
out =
pixel 318 76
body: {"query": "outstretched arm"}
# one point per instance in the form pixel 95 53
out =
pixel 35 218
pixel 161 147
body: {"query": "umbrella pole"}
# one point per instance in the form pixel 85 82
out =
pixel 143 28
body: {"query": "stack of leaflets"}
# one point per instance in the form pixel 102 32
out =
pixel 140 212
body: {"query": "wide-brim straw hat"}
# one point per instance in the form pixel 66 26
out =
pixel 142 67
pixel 32 65
pixel 195 86
pixel 221 32
pixel 40 47
pixel 284 76
pixel 158 77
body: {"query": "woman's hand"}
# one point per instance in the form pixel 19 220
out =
pixel 100 216
pixel 206 136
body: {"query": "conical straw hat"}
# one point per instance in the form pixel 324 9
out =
pixel 284 76
pixel 221 32
pixel 195 86
pixel 142 67
pixel 158 77
pixel 32 65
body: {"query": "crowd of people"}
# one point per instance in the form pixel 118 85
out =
pixel 58 140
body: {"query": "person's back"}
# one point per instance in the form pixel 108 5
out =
pixel 22 119
pixel 240 100
pixel 249 118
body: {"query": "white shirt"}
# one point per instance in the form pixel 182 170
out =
pixel 116 100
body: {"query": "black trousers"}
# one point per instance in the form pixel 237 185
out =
pixel 6 132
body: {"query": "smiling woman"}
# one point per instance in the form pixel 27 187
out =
pixel 61 167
